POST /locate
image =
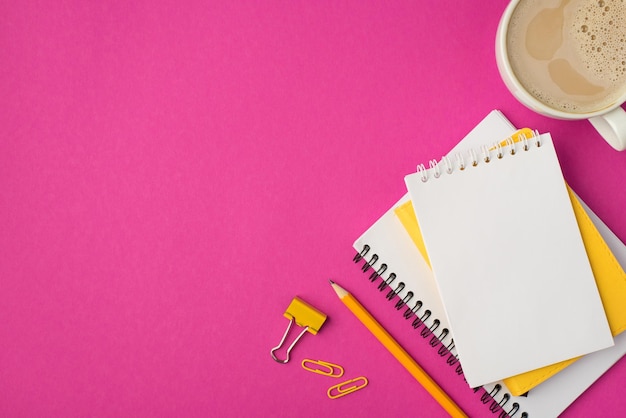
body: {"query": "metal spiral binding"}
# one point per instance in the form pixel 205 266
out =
pixel 461 162
pixel 437 337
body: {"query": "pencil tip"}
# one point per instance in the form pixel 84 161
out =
pixel 331 282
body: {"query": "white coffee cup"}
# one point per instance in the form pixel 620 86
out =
pixel 609 121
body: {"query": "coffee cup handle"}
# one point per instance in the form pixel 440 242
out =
pixel 612 127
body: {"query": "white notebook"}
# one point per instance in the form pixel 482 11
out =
pixel 508 259
pixel 388 253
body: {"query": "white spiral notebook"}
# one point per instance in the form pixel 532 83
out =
pixel 389 255
pixel 508 258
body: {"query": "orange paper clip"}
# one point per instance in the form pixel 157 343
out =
pixel 342 389
pixel 323 367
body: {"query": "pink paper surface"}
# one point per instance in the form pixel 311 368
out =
pixel 172 174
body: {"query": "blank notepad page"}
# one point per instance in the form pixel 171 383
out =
pixel 509 261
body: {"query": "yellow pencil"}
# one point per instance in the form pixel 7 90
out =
pixel 398 352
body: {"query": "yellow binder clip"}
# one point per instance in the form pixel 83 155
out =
pixel 347 387
pixel 323 367
pixel 303 315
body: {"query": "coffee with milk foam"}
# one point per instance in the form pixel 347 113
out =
pixel 570 54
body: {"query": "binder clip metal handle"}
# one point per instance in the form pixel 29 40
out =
pixel 282 341
pixel 303 315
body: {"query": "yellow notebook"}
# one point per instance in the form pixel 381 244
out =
pixel 609 275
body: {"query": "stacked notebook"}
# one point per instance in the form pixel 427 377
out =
pixel 519 282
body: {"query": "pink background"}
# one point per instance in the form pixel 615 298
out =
pixel 173 173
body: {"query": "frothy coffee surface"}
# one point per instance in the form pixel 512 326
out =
pixel 570 54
